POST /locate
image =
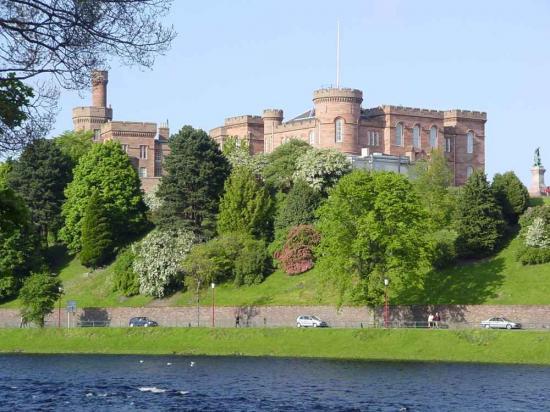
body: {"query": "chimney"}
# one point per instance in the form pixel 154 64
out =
pixel 99 88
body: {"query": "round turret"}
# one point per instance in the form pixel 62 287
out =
pixel 274 115
pixel 99 88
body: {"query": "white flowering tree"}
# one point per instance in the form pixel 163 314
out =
pixel 152 201
pixel 237 152
pixel 322 168
pixel 158 260
pixel 538 234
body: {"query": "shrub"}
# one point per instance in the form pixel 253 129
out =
pixel 533 256
pixel 296 256
pixel 443 251
pixel 38 296
pixel 126 281
pixel 8 287
pixel 158 259
pixel 253 262
pixel 97 237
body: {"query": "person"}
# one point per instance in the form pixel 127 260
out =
pixel 430 320
pixel 437 319
pixel 237 320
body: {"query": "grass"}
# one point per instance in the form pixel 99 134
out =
pixel 527 347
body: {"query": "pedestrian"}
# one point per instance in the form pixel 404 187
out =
pixel 437 319
pixel 237 320
pixel 430 320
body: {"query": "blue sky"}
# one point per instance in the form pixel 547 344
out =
pixel 240 57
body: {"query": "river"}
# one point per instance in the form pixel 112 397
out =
pixel 98 383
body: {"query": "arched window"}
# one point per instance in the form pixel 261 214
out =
pixel 416 136
pixel 433 136
pixel 338 130
pixel 469 171
pixel 470 142
pixel 312 137
pixel 399 134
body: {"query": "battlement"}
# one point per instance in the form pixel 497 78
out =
pixel 90 111
pixel 466 114
pixel 272 114
pixel 130 127
pixel 247 118
pixel 412 111
pixel 338 95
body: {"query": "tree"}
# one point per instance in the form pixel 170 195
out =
pixel 97 238
pixel 253 262
pixel 5 170
pixel 478 218
pixel 75 144
pixel 158 260
pixel 432 179
pixel 321 168
pixel 237 152
pixel 511 195
pixel 38 296
pixel 297 254
pixel 246 206
pixel 282 162
pixel 107 169
pixel 126 280
pixel 18 247
pixel 192 186
pixel 372 227
pixel 299 206
pixel 40 176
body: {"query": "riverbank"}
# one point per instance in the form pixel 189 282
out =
pixel 491 346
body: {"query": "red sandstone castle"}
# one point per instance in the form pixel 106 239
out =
pixel 338 121
pixel 143 142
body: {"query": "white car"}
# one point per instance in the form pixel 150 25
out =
pixel 500 323
pixel 310 321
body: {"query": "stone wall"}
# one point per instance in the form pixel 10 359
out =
pixel 272 316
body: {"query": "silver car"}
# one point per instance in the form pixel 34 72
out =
pixel 310 321
pixel 500 323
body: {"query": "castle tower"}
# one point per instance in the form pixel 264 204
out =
pixel 92 117
pixel 272 119
pixel 338 112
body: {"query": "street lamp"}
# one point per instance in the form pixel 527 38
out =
pixel 213 305
pixel 60 289
pixel 386 313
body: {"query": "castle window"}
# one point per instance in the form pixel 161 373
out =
pixel 338 130
pixel 448 147
pixel 158 155
pixel 158 169
pixel 143 151
pixel 142 172
pixel 373 138
pixel 416 136
pixel 97 134
pixel 399 134
pixel 469 171
pixel 433 136
pixel 312 137
pixel 125 148
pixel 470 142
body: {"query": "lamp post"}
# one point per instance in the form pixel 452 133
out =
pixel 213 305
pixel 59 307
pixel 386 313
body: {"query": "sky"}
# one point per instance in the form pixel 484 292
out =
pixel 240 57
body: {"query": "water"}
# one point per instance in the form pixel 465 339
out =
pixel 99 383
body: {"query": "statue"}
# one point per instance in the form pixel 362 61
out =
pixel 537 161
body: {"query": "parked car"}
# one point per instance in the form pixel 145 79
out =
pixel 500 323
pixel 310 321
pixel 142 321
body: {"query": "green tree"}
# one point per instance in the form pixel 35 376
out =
pixel 372 227
pixel 299 206
pixel 190 190
pixel 282 163
pixel 432 179
pixel 18 247
pixel 246 206
pixel 321 168
pixel 126 280
pixel 38 296
pixel 75 144
pixel 40 177
pixel 5 170
pixel 478 218
pixel 253 262
pixel 97 238
pixel 511 195
pixel 107 169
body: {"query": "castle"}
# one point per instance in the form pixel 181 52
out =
pixel 338 121
pixel 145 144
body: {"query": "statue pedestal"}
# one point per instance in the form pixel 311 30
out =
pixel 538 188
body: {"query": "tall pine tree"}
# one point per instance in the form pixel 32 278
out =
pixel 192 186
pixel 478 218
pixel 97 237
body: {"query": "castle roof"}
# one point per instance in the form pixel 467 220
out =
pixel 304 116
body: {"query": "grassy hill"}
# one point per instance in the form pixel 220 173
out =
pixel 496 280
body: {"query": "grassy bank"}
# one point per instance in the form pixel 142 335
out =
pixel 527 347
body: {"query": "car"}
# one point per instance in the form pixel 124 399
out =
pixel 310 321
pixel 142 321
pixel 500 323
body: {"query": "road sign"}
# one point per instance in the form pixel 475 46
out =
pixel 71 306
